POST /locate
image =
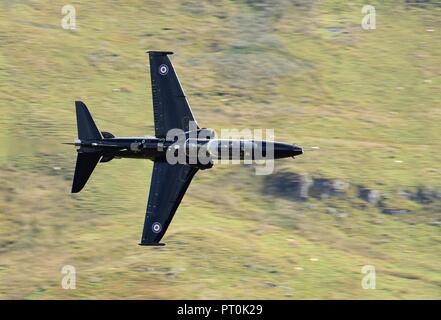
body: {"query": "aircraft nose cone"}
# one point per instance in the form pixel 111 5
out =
pixel 285 150
pixel 296 150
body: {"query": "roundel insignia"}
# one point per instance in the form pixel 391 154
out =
pixel 156 227
pixel 163 69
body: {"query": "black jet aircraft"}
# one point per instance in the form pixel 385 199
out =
pixel 169 181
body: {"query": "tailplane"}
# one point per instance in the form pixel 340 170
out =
pixel 87 158
pixel 86 162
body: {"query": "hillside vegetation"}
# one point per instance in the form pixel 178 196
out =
pixel 365 105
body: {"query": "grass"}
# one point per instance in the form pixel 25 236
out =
pixel 367 99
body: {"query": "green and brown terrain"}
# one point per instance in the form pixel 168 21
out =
pixel 366 105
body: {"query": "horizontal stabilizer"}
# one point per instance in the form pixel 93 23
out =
pixel 86 162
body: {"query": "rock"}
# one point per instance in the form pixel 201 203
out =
pixel 288 185
pixel 334 30
pixel 341 215
pixel 171 275
pixel 305 184
pixel 371 196
pixel 323 188
pixel 340 186
pixel 195 7
pixel 405 194
pixel 426 195
pixel 331 210
pixel 251 266
pixel 395 212
pixel 270 284
pixel 423 195
pixel 324 196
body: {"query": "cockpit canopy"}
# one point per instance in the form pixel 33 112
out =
pixel 221 148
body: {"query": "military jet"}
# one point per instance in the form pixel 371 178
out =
pixel 169 181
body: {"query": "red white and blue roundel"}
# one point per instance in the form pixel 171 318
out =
pixel 163 69
pixel 156 227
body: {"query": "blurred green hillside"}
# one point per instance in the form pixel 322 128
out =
pixel 365 105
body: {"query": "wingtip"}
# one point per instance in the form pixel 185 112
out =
pixel 159 52
pixel 152 244
pixel 75 190
pixel 80 105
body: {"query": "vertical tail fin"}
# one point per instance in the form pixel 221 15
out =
pixel 87 129
pixel 87 159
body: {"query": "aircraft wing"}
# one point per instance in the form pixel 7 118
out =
pixel 170 107
pixel 167 188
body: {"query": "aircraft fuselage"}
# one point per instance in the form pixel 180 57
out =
pixel 156 148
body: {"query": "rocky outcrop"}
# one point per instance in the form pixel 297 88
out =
pixel 298 187
pixel 324 188
pixel 395 212
pixel 288 185
pixel 422 195
pixel 301 187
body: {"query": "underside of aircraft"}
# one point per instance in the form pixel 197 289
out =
pixel 169 182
